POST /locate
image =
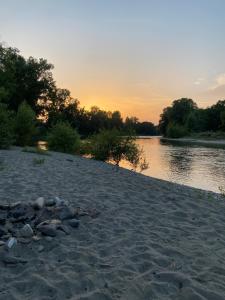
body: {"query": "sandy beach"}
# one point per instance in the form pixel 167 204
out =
pixel 152 239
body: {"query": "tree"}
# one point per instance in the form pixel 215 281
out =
pixel 25 122
pixel 114 146
pixel 6 127
pixel 63 138
pixel 23 79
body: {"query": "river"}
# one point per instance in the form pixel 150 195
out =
pixel 198 166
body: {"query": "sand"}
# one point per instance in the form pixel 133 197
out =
pixel 152 240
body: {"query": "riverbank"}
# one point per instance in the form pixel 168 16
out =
pixel 152 240
pixel 198 141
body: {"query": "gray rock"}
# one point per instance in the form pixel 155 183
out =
pixel 26 231
pixel 39 203
pixel 46 213
pixel 49 230
pixel 65 213
pixel 64 229
pixel 11 242
pixel 60 202
pixel 2 243
pixel 50 202
pixel 5 206
pixel 75 223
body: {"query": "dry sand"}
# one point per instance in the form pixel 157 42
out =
pixel 152 240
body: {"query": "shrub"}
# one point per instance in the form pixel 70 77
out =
pixel 6 127
pixel 63 138
pixel 176 131
pixel 25 125
pixel 112 145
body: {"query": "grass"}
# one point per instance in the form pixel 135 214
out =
pixel 35 151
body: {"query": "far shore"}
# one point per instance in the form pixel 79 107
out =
pixel 212 142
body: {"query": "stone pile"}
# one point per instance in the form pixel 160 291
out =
pixel 24 222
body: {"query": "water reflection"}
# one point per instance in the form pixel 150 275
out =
pixel 199 166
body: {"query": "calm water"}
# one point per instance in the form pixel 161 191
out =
pixel 198 166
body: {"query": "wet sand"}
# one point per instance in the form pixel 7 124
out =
pixel 152 240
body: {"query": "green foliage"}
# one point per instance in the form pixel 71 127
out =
pixel 6 127
pixel 112 145
pixel 176 131
pixel 23 79
pixel 25 125
pixel 63 138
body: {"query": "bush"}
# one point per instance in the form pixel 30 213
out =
pixel 112 145
pixel 63 138
pixel 6 127
pixel 176 131
pixel 25 125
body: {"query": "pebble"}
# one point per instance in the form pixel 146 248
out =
pixel 39 203
pixel 26 231
pixel 50 202
pixel 59 202
pixel 75 223
pixel 11 242
pixel 65 213
pixel 64 229
pixel 49 230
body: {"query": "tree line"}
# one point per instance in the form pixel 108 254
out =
pixel 184 117
pixel 31 81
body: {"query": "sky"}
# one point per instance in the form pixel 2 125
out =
pixel 136 56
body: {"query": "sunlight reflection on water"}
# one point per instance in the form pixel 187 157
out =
pixel 194 165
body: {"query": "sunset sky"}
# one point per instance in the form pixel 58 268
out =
pixel 135 56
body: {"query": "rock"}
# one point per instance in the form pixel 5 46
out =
pixel 49 230
pixel 4 206
pixel 59 202
pixel 15 204
pixel 75 223
pixel 26 231
pixel 17 213
pixel 36 238
pixel 48 238
pixel 48 222
pixel 40 248
pixel 46 213
pixel 2 243
pixel 64 229
pixel 50 202
pixel 11 242
pixel 65 213
pixel 39 203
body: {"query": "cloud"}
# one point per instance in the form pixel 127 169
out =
pixel 199 80
pixel 219 81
